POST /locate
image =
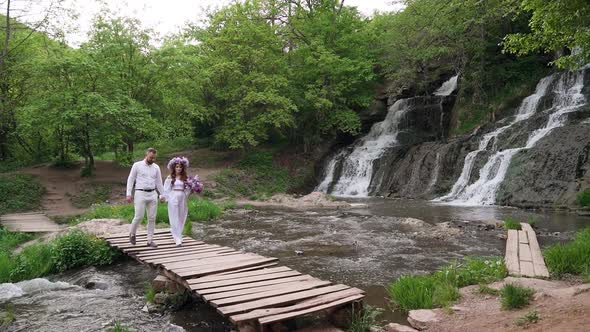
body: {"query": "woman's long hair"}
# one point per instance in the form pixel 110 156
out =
pixel 182 176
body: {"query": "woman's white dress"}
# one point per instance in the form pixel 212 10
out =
pixel 176 195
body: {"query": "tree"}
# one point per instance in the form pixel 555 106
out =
pixel 560 26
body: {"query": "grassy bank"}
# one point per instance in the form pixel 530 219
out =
pixel 440 289
pixel 19 192
pixel 199 210
pixel 570 258
pixel 261 174
pixel 75 249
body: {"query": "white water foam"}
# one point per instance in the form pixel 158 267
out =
pixel 448 87
pixel 10 290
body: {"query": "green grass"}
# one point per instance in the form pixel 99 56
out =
pixel 149 292
pixel 118 327
pixel 515 297
pixel 19 192
pixel 75 249
pixel 199 209
pixel 529 318
pixel 583 197
pixel 93 195
pixel 256 177
pixel 8 316
pixel 441 288
pixel 10 240
pixel 188 228
pixel 363 320
pixel 487 290
pixel 570 258
pixel 512 224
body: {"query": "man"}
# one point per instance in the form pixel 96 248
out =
pixel 146 176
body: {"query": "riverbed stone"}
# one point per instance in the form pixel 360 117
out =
pixel 173 328
pixel 160 283
pixel 395 327
pixel 421 319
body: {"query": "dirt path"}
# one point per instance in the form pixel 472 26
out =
pixel 560 307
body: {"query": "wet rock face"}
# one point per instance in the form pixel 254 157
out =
pixel 552 172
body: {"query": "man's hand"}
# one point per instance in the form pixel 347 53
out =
pixel 129 199
pixel 162 200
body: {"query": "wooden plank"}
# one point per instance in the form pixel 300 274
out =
pixel 279 300
pixel 144 248
pixel 142 238
pixel 319 300
pixel 276 318
pixel 201 272
pixel 245 280
pixel 511 258
pixel 200 263
pixel 157 241
pixel 301 286
pixel 522 238
pixel 253 285
pixel 538 262
pixel 526 269
pixel 228 276
pixel 193 247
pixel 252 290
pixel 206 258
pixel 249 268
pixel 165 258
pixel 139 233
pixel 524 253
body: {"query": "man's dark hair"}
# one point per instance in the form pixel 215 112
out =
pixel 151 150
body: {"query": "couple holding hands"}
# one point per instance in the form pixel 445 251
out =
pixel 145 183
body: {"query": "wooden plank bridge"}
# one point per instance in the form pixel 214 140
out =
pixel 248 289
pixel 36 222
pixel 523 254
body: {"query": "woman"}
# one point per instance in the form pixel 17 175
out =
pixel 176 192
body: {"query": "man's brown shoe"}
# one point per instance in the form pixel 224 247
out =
pixel 152 244
pixel 132 239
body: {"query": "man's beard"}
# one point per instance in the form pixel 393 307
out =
pixel 149 161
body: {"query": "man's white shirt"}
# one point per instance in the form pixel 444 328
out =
pixel 144 176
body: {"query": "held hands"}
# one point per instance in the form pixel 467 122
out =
pixel 162 200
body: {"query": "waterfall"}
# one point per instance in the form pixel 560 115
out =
pixel 435 172
pixel 567 97
pixel 356 163
pixel 357 166
pixel 448 87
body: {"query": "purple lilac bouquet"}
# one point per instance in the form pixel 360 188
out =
pixel 194 183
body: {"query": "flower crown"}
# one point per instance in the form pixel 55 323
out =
pixel 177 160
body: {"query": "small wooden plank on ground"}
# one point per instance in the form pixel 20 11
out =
pixel 29 222
pixel 511 258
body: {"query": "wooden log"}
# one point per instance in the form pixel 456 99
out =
pixel 201 272
pixel 239 275
pixel 245 280
pixel 253 284
pixel 252 290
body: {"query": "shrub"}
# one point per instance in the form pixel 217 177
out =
pixel 363 320
pixel 203 210
pixel 9 240
pixel 19 192
pixel 572 257
pixel 583 197
pixel 118 327
pixel 33 262
pixel 515 297
pixel 441 288
pixel 80 249
pixel 512 224
pixel 412 292
pixel 473 271
pixel 530 317
pixel 484 289
pixel 150 293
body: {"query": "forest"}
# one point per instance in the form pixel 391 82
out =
pixel 267 72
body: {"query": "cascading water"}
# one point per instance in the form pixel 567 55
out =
pixel 356 163
pixel 567 97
